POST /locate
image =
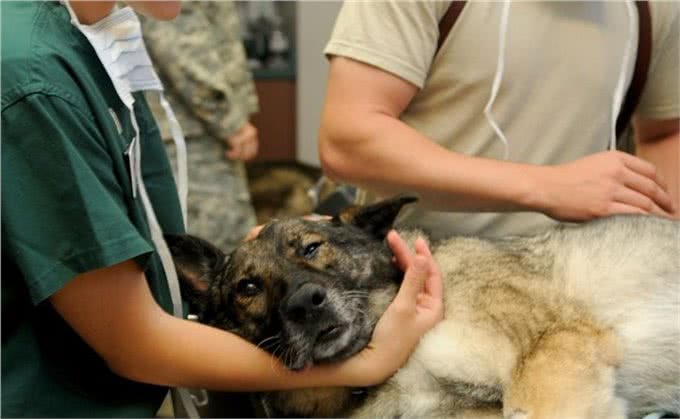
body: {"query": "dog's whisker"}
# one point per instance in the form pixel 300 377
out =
pixel 273 358
pixel 357 293
pixel 285 356
pixel 271 345
pixel 274 337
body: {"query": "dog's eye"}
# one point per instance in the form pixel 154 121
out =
pixel 249 287
pixel 310 250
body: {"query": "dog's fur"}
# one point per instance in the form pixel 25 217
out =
pixel 578 322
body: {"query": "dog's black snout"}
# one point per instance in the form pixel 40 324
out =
pixel 305 301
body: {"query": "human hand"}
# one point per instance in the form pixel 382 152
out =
pixel 606 183
pixel 417 308
pixel 253 232
pixel 243 144
pixel 256 230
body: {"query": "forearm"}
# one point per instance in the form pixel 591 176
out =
pixel 176 352
pixel 384 155
pixel 664 153
pixel 140 341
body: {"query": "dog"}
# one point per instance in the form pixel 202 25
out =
pixel 580 321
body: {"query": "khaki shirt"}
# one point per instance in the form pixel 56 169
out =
pixel 562 63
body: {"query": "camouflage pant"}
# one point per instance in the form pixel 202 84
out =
pixel 219 205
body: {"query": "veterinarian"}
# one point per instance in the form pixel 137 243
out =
pixel 201 60
pixel 505 109
pixel 87 192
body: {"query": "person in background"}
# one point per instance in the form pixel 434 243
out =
pixel 90 324
pixel 503 128
pixel 201 59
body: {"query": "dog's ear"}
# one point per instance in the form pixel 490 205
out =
pixel 376 219
pixel 196 262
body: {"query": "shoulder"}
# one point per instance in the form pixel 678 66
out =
pixel 39 47
pixel 396 36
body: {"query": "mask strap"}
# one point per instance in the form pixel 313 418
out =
pixel 621 83
pixel 71 12
pixel 181 150
pixel 180 396
pixel 502 35
pixel 134 156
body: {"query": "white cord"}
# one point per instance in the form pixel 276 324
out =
pixel 502 35
pixel 181 152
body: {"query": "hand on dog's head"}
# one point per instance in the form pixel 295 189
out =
pixel 319 286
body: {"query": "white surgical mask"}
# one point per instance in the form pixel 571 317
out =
pixel 117 40
pixel 119 45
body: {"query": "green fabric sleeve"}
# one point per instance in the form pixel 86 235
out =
pixel 63 209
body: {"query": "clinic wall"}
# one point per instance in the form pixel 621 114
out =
pixel 314 25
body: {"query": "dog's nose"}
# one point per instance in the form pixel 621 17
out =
pixel 305 302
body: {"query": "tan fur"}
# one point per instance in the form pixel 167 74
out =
pixel 551 320
pixel 579 322
pixel 318 402
pixel 539 320
pixel 580 385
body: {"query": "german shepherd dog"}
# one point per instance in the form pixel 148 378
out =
pixel 581 321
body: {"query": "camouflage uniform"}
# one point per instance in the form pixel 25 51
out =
pixel 201 60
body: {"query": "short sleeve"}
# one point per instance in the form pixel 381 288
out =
pixel 399 37
pixel 63 209
pixel 661 95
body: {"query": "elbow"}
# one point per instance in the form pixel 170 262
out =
pixel 124 366
pixel 139 355
pixel 124 372
pixel 331 160
pixel 335 156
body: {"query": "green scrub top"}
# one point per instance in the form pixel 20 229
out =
pixel 68 208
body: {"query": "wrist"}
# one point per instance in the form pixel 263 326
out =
pixel 531 193
pixel 357 371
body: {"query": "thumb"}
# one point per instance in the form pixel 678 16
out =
pixel 414 280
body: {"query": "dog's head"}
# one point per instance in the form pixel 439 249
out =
pixel 307 291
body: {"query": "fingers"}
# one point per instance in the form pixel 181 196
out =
pixel 234 147
pixel 620 208
pixel 243 145
pixel 253 233
pixel 317 217
pixel 433 286
pixel 640 203
pixel 414 281
pixel 641 166
pixel 644 179
pixel 402 254
pixel 403 258
pixel 241 150
pixel 422 279
pixel 249 150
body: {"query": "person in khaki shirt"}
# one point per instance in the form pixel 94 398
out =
pixel 418 122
